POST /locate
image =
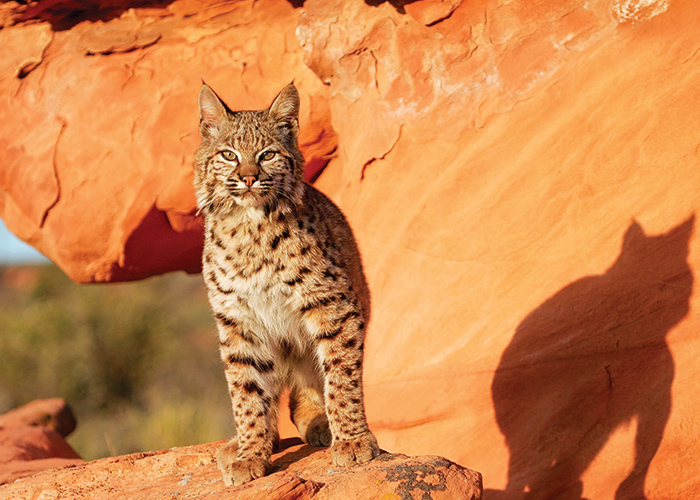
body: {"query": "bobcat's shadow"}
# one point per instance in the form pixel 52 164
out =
pixel 591 358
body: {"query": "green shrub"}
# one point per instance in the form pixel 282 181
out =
pixel 137 362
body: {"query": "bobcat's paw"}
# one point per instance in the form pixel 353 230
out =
pixel 355 451
pixel 631 487
pixel 236 472
pixel 318 433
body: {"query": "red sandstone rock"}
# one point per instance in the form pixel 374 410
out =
pixel 26 450
pixel 96 121
pixel 492 157
pixel 502 160
pixel 53 414
pixel 31 439
pixel 299 473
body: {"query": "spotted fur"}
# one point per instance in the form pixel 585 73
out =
pixel 286 287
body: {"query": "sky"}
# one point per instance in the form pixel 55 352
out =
pixel 14 251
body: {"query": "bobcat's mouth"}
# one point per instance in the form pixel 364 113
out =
pixel 257 194
pixel 250 197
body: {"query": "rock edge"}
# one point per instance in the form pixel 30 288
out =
pixel 298 472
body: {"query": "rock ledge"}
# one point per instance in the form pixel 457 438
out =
pixel 299 472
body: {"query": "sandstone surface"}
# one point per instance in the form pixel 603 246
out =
pixel 524 189
pixel 300 472
pixel 27 450
pixel 523 179
pixel 53 414
pixel 100 118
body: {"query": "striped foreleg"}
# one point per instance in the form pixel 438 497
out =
pixel 250 374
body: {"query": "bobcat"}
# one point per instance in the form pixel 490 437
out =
pixel 286 286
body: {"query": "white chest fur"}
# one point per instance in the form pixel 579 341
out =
pixel 250 274
pixel 268 305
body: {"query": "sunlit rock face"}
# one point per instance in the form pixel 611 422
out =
pixel 101 122
pixel 522 177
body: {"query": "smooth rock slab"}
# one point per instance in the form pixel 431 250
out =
pixel 299 472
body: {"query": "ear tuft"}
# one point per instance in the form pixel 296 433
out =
pixel 212 112
pixel 285 107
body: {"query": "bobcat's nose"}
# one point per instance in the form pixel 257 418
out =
pixel 250 180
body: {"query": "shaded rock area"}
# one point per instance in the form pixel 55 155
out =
pixel 299 472
pixel 522 177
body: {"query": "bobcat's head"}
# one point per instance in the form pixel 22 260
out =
pixel 248 158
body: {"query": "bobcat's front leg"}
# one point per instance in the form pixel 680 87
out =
pixel 254 396
pixel 340 347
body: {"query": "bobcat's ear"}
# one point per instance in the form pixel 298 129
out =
pixel 212 112
pixel 285 109
pixel 634 235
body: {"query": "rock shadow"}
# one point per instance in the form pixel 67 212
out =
pixel 287 457
pixel 591 358
pixel 64 15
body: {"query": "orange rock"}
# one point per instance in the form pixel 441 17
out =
pixel 97 123
pixel 31 439
pixel 504 154
pixel 26 450
pixel 300 472
pixel 53 414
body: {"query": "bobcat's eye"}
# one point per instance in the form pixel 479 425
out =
pixel 228 155
pixel 267 155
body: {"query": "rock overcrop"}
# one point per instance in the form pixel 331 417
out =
pixel 36 463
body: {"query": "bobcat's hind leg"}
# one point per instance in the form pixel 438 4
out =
pixel 308 414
